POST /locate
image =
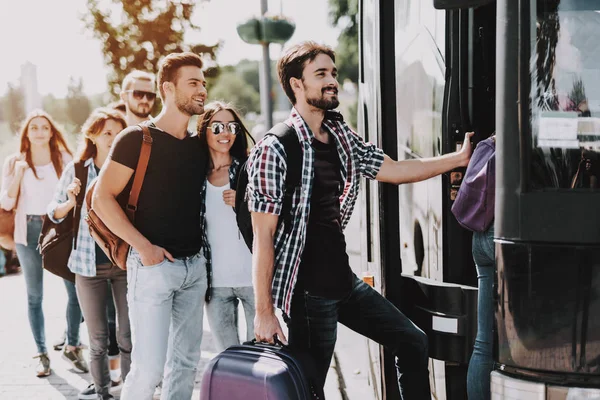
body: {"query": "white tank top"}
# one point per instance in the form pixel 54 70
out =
pixel 231 259
pixel 36 193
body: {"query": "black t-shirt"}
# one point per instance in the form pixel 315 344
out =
pixel 168 212
pixel 325 269
pixel 101 257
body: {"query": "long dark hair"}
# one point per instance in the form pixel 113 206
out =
pixel 240 147
pixel 57 143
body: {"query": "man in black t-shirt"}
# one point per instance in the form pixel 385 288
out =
pixel 304 269
pixel 167 277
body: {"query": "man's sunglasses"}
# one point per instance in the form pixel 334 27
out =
pixel 140 94
pixel 219 127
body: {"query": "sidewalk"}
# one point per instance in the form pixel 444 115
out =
pixel 17 368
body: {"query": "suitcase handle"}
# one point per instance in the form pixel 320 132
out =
pixel 278 342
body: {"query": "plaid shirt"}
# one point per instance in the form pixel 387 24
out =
pixel 233 172
pixel 266 187
pixel 82 260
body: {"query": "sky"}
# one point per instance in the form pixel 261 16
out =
pixel 51 35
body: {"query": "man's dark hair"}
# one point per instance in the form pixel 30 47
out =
pixel 168 69
pixel 292 63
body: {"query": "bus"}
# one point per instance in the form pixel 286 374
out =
pixel 528 70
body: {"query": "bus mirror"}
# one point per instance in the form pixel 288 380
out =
pixel 453 4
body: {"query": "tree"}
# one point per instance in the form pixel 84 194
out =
pixel 343 13
pixel 14 107
pixel 56 108
pixel 146 31
pixel 230 87
pixel 78 105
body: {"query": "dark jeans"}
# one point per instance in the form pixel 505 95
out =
pixel 482 362
pixel 93 295
pixel 113 347
pixel 313 329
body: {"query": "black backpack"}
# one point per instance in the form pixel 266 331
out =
pixel 288 138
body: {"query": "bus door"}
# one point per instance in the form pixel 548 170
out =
pixel 445 82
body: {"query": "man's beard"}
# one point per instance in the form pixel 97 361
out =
pixel 322 103
pixel 139 114
pixel 188 106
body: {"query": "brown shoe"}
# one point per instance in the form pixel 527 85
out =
pixel 43 368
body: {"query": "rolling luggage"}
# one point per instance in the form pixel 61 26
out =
pixel 259 371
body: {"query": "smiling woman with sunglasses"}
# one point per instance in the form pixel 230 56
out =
pixel 221 130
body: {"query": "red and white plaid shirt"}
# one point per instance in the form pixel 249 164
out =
pixel 266 188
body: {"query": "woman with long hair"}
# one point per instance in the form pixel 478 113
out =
pixel 222 132
pixel 28 181
pixel 92 268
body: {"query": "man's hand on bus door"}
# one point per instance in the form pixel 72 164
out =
pixel 466 149
pixel 420 169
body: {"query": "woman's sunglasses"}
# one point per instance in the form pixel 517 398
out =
pixel 219 127
pixel 140 94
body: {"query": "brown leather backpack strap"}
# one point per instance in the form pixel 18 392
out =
pixel 140 173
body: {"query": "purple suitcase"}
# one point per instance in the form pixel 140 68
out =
pixel 258 371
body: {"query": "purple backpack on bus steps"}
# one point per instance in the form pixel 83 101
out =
pixel 474 204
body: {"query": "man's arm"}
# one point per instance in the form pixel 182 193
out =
pixel 266 324
pixel 408 171
pixel 112 180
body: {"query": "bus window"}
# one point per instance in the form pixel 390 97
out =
pixel 565 95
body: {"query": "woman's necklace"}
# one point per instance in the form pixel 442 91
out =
pixel 220 167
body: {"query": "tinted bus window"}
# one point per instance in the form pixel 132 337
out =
pixel 565 94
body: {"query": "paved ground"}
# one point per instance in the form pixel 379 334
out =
pixel 349 379
pixel 17 368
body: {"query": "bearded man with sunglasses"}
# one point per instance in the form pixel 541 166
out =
pixel 138 93
pixel 166 266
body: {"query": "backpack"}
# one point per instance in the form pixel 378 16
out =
pixel 56 241
pixel 474 204
pixel 288 138
pixel 115 248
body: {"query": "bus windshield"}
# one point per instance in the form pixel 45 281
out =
pixel 565 94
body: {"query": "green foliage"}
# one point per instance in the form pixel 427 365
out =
pixel 248 71
pixel 14 107
pixel 136 34
pixel 344 13
pixel 78 105
pixel 231 87
pixel 57 108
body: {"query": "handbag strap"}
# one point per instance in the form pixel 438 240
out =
pixel 140 173
pixel 81 173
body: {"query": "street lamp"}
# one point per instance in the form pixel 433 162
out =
pixel 265 30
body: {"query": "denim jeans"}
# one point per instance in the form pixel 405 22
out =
pixel 31 264
pixel 73 314
pixel 94 295
pixel 2 263
pixel 313 329
pixel 113 347
pixel 222 314
pixel 166 304
pixel 482 362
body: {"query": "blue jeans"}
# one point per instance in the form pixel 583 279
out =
pixel 31 263
pixel 222 314
pixel 2 263
pixel 313 329
pixel 166 304
pixel 482 362
pixel 73 314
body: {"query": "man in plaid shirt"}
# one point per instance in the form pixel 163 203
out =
pixel 305 270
